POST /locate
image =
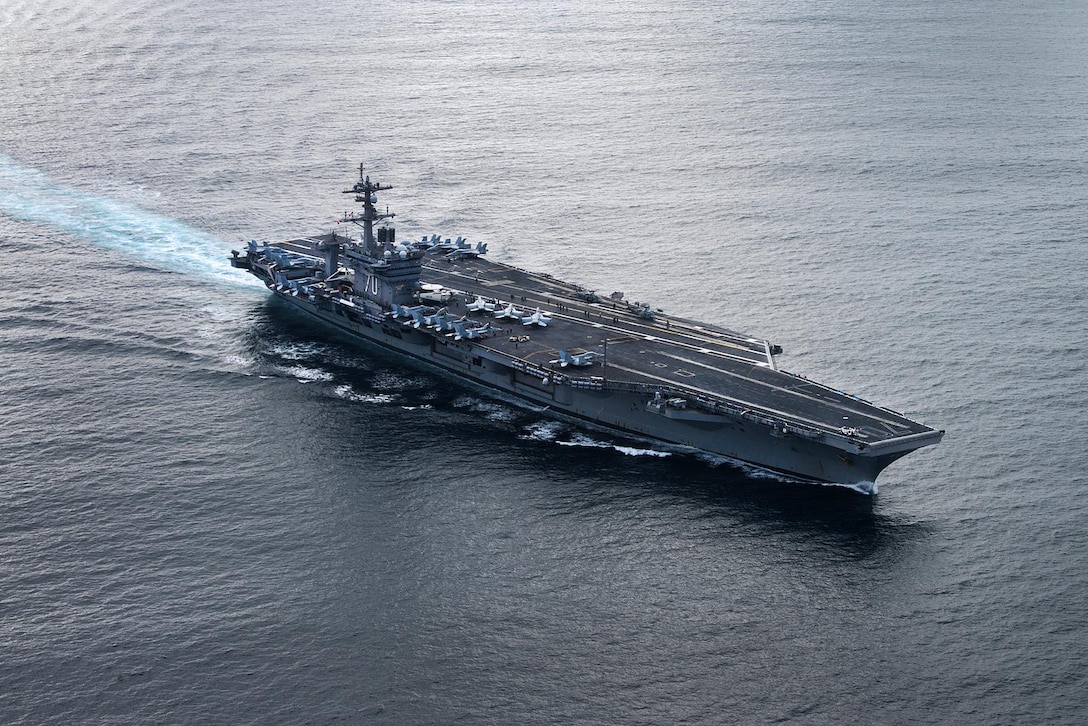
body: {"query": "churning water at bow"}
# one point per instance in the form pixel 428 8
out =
pixel 213 510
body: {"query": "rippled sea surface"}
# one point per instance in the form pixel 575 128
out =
pixel 215 511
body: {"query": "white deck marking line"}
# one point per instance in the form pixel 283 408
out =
pixel 681 330
pixel 679 335
pixel 742 403
pixel 788 391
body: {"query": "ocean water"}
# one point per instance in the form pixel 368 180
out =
pixel 215 511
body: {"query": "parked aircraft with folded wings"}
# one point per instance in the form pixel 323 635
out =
pixel 400 311
pixel 579 360
pixel 472 331
pixel 467 251
pixel 509 312
pixel 482 304
pixel 537 318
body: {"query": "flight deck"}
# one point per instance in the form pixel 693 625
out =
pixel 633 343
pixel 569 353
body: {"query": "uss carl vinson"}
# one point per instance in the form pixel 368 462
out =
pixel 605 362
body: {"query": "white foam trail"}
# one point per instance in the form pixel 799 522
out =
pixel 587 442
pixel 348 393
pixel 542 431
pixel 29 195
pixel 387 381
pixel 300 351
pixel 866 487
pixel 302 374
pixel 632 451
pixel 493 411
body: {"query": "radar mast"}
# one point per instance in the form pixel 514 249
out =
pixel 365 192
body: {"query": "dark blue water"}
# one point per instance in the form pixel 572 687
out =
pixel 215 511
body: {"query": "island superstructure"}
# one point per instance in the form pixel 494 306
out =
pixel 607 363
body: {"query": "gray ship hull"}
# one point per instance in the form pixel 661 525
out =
pixel 614 407
pixel 608 363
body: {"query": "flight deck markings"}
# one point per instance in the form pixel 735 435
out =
pixel 746 404
pixel 678 337
pixel 788 391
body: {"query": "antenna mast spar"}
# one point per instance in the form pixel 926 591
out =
pixel 365 192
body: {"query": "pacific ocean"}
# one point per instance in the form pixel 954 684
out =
pixel 213 510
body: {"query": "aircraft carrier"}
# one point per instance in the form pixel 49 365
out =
pixel 606 362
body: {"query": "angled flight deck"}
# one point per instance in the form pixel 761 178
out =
pixel 607 362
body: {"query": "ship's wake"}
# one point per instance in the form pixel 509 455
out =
pixel 588 442
pixel 28 195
